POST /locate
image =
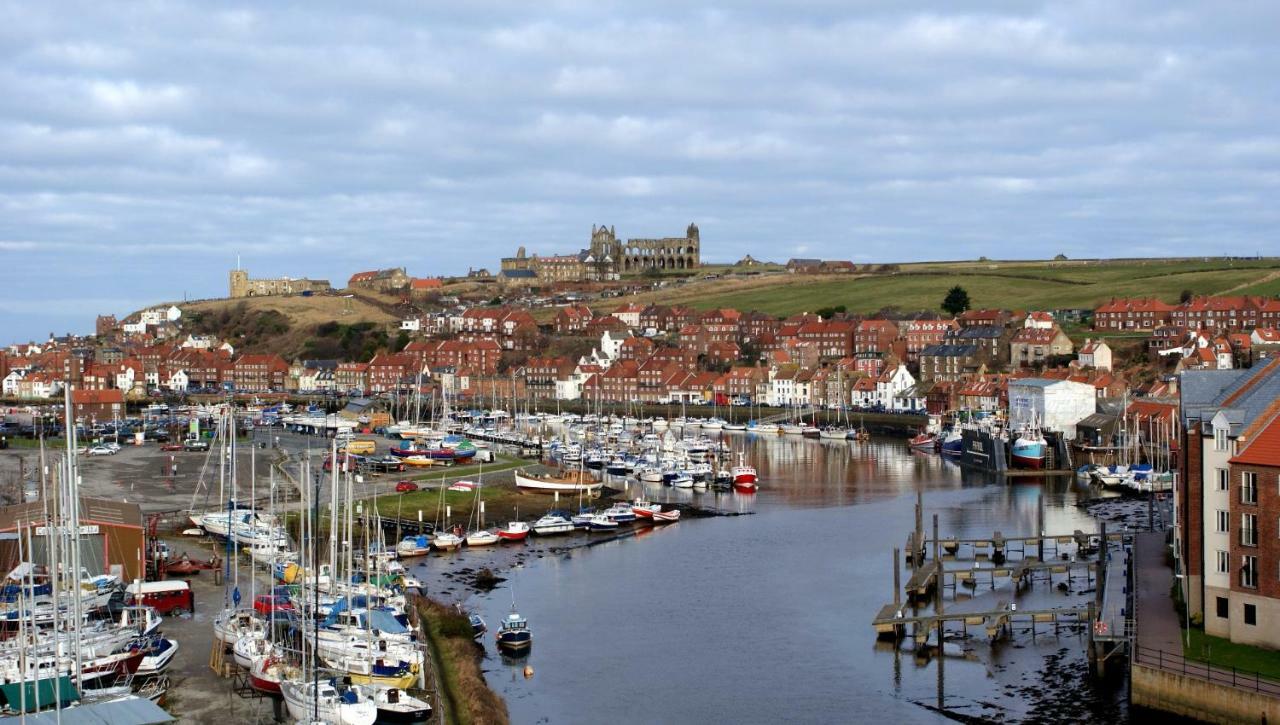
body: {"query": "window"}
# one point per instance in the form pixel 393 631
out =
pixel 1249 572
pixel 1248 529
pixel 1223 610
pixel 1224 522
pixel 1222 478
pixel 1224 562
pixel 1219 439
pixel 1248 487
pixel 1250 614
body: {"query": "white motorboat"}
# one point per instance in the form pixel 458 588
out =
pixel 345 706
pixel 552 523
pixel 483 537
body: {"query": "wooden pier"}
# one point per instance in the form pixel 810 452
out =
pixel 1106 618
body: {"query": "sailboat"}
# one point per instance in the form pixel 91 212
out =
pixel 443 540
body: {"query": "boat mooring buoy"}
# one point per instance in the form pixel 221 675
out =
pixel 528 671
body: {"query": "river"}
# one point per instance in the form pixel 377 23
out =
pixel 767 617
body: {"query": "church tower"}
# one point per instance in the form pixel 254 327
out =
pixel 238 284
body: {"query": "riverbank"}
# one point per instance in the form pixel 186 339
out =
pixel 463 696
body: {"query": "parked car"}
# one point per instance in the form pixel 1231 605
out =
pixel 195 444
pixel 99 451
pixel 406 487
pixel 268 604
pixel 173 447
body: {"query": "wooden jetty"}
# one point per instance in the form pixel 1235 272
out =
pixel 892 621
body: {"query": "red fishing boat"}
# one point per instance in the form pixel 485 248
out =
pixel 514 531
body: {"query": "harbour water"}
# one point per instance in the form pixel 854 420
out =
pixel 767 617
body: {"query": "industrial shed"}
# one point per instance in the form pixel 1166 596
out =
pixel 113 538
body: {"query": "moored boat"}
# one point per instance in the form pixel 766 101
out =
pixel 568 482
pixel 514 531
pixel 514 635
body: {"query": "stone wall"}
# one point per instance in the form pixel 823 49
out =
pixel 1196 698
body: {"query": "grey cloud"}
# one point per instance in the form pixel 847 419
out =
pixel 148 144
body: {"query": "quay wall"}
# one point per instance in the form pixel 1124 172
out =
pixel 1194 697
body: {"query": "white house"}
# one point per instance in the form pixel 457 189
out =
pixel 177 381
pixel 1055 405
pixel 9 386
pixel 890 383
pixel 125 378
pixel 629 314
pixel 1038 321
pixel 611 344
pixel 134 328
pixel 150 317
pixel 199 342
pixel 1095 354
pixel 413 324
pixel 782 386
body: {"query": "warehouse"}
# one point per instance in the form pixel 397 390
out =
pixel 112 537
pixel 1055 405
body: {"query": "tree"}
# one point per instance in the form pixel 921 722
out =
pixel 957 301
pixel 401 340
pixel 1185 297
pixel 1060 258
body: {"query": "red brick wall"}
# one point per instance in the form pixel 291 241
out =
pixel 1191 516
pixel 1267 510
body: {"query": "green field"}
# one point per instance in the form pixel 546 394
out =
pixel 1012 285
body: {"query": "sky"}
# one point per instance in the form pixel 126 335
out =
pixel 145 146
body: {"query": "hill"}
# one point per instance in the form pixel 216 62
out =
pixel 319 326
pixel 1013 285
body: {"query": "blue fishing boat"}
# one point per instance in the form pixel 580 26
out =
pixel 514 635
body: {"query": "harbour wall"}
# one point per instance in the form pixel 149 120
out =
pixel 1197 698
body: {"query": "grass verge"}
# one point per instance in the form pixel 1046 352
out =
pixel 1224 653
pixel 463 694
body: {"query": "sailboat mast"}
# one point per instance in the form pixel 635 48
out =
pixel 73 485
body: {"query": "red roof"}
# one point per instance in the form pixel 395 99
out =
pixel 426 283
pixel 1139 304
pixel 93 397
pixel 1264 448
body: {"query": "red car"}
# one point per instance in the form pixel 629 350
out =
pixel 406 487
pixel 266 604
pixel 172 447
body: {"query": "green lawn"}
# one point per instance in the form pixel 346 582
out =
pixel 1224 653
pixel 1010 285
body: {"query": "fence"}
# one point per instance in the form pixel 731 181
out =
pixel 1176 663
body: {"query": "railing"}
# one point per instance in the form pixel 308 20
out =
pixel 1176 663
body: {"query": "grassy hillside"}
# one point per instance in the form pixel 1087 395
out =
pixel 322 326
pixel 1025 285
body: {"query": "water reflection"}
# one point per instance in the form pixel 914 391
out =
pixel 767 616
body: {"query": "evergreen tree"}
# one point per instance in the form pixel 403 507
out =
pixel 957 301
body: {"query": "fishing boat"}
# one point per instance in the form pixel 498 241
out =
pixel 514 531
pixel 952 443
pixel 567 482
pixel 923 442
pixel 333 703
pixel 514 635
pixel 554 522
pixel 744 473
pixel 1028 450
pixel 478 626
pixel 834 432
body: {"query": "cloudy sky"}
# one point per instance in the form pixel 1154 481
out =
pixel 144 145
